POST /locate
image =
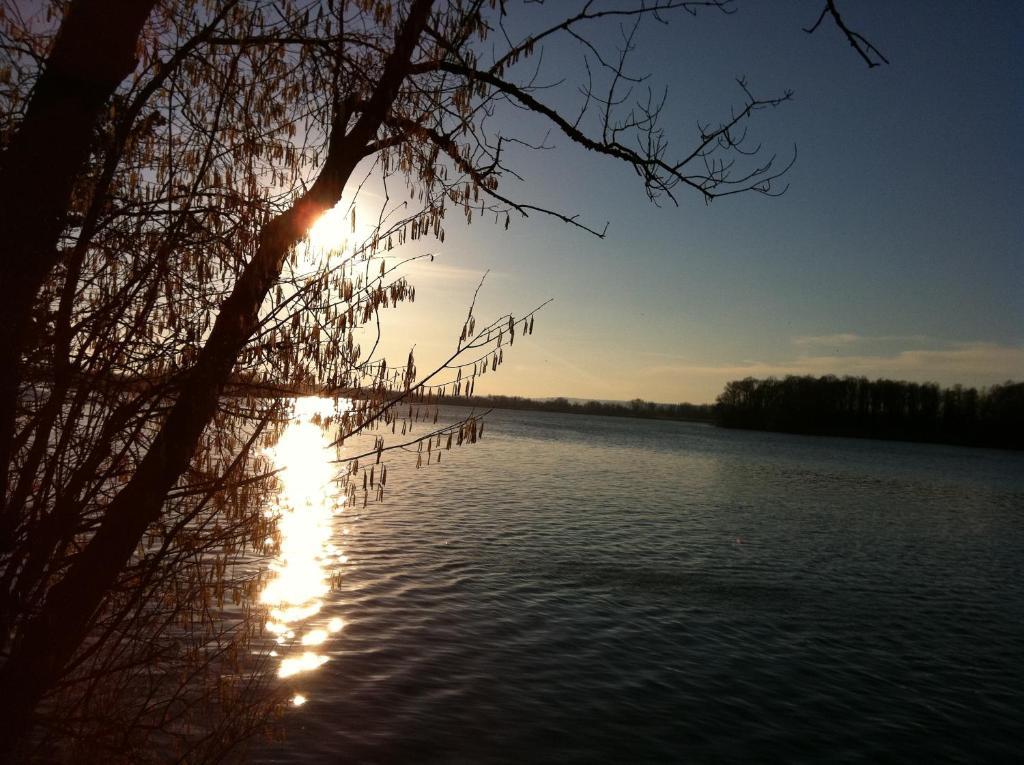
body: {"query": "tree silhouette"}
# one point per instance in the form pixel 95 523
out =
pixel 856 406
pixel 162 164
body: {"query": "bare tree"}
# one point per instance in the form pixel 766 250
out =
pixel 42 157
pixel 161 307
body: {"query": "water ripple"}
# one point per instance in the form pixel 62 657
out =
pixel 663 592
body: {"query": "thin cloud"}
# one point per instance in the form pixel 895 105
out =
pixel 847 339
pixel 841 338
pixel 426 270
pixel 970 363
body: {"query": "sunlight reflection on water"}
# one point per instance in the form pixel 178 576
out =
pixel 305 507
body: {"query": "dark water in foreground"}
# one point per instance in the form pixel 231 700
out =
pixel 582 589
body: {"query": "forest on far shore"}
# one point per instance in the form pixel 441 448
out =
pixel 635 408
pixel 894 409
pixel 828 405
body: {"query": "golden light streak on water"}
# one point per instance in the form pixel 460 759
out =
pixel 305 508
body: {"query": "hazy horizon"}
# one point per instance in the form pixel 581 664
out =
pixel 582 399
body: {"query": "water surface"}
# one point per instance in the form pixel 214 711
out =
pixel 586 589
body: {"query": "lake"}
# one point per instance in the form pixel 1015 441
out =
pixel 593 589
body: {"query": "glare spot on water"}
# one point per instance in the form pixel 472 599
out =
pixel 298 700
pixel 314 637
pixel 304 662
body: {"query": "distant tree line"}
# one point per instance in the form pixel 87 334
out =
pixel 635 408
pixel 856 406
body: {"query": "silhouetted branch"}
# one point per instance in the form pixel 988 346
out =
pixel 867 51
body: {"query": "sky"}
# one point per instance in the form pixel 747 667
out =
pixel 895 252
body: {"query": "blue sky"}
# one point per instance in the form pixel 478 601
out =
pixel 895 252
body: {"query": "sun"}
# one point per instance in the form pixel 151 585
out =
pixel 333 230
pixel 337 232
